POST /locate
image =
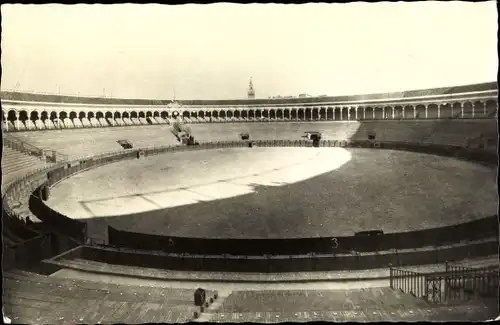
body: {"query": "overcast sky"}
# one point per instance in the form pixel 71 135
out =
pixel 211 51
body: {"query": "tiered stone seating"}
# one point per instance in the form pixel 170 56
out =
pixel 151 120
pixel 103 122
pixel 83 142
pixel 273 131
pixel 321 300
pixel 16 164
pixel 111 122
pixel 94 122
pixel 456 132
pixel 30 125
pixel 68 123
pixel 159 120
pixel 19 125
pixel 49 125
pixel 86 122
pixel 58 124
pixel 32 298
pixel 39 125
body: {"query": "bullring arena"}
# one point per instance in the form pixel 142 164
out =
pixel 392 215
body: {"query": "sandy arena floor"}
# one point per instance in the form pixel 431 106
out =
pixel 279 193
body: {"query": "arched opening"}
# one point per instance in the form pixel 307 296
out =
pixel 194 114
pixel 99 115
pixel 456 110
pixel 345 113
pixel 336 113
pixel 163 115
pixel 445 111
pixel 251 114
pixel 279 114
pixel 387 113
pixel 329 114
pixel 108 115
pixel 53 116
pixel 272 114
pixel 23 116
pixel 293 114
pixel 156 114
pixel 315 114
pixel 72 115
pixel 215 114
pixel 142 115
pixel 133 114
pixel 352 113
pixel 90 115
pixel 300 114
pixel 82 115
pixel 208 114
pixel 116 115
pixel 11 116
pixel 229 114
pixel 258 114
pixel 468 111
pixel 408 112
pixel 201 114
pixel 126 115
pixel 370 113
pixel 265 113
pixel 379 113
pixel 479 109
pixel 359 111
pixel 237 114
pixel 244 114
pixel 222 114
pixel 432 111
pixel 398 112
pixel 420 111
pixel 492 108
pixel 322 114
pixel 149 114
pixel 307 114
pixel 34 116
pixel 63 115
pixel 286 114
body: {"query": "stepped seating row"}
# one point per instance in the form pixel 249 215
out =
pixel 31 297
pixel 440 132
pixel 16 164
pixel 68 123
pixel 317 300
pixel 80 143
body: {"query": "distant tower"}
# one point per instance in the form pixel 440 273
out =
pixel 251 91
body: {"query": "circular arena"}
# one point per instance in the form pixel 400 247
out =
pixel 279 193
pixel 391 215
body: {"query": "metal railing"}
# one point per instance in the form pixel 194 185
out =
pixel 456 283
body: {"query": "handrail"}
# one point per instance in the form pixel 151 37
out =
pixel 454 283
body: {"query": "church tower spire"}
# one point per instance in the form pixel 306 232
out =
pixel 251 91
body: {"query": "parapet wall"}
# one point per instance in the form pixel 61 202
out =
pixel 471 231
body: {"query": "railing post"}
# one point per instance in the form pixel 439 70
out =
pixel 390 276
